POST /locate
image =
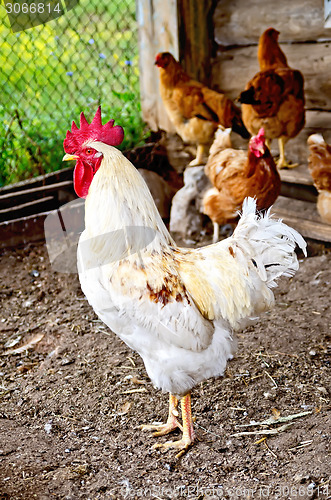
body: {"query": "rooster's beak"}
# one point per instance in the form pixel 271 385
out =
pixel 68 157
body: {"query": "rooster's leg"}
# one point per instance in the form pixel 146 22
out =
pixel 199 158
pixel 188 432
pixel 282 163
pixel 172 422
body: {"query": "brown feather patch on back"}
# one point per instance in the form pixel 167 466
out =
pixel 172 290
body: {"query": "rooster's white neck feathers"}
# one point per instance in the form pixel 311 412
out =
pixel 121 198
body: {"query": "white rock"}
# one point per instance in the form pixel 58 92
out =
pixel 185 215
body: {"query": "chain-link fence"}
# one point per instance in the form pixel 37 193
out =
pixel 85 53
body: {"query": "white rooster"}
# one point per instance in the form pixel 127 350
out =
pixel 177 307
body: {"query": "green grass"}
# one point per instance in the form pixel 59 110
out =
pixel 50 73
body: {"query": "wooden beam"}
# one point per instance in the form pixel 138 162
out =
pixel 65 174
pixel 299 191
pixel 297 183
pixel 195 26
pixel 26 195
pixel 309 229
pixel 302 216
pixel 30 208
pixel 298 175
pixel 22 231
pixel 242 22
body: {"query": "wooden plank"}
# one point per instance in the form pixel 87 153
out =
pixel 298 175
pixel 304 209
pixel 31 229
pixel 65 174
pixel 302 216
pixel 299 191
pixel 319 120
pixel 22 231
pixel 30 208
pixel 26 195
pixel 240 22
pixel 307 228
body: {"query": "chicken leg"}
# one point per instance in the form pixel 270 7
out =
pixel 188 432
pixel 216 235
pixel 199 157
pixel 171 424
pixel 282 163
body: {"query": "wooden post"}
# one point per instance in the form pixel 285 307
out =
pixel 182 27
pixel 196 41
pixel 158 32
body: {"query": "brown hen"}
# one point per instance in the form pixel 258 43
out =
pixel 236 174
pixel 194 109
pixel 274 97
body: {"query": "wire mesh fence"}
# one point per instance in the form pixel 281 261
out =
pixel 68 57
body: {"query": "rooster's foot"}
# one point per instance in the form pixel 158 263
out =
pixel 171 424
pixel 163 429
pixel 188 432
pixel 182 445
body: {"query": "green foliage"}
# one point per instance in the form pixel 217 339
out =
pixel 50 73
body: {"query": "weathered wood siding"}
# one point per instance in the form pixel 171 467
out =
pixel 186 28
pixel 305 41
pixel 240 22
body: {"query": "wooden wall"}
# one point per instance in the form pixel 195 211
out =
pixel 306 43
pixel 230 43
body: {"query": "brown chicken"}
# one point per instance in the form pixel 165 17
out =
pixel 269 54
pixel 236 174
pixel 274 97
pixel 319 163
pixel 194 109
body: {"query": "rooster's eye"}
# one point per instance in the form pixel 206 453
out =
pixel 88 151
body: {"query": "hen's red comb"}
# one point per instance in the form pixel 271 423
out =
pixel 94 131
pixel 261 133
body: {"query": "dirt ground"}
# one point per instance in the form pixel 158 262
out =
pixel 73 396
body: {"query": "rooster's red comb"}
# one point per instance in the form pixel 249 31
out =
pixel 94 131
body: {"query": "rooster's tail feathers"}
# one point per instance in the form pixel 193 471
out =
pixel 268 242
